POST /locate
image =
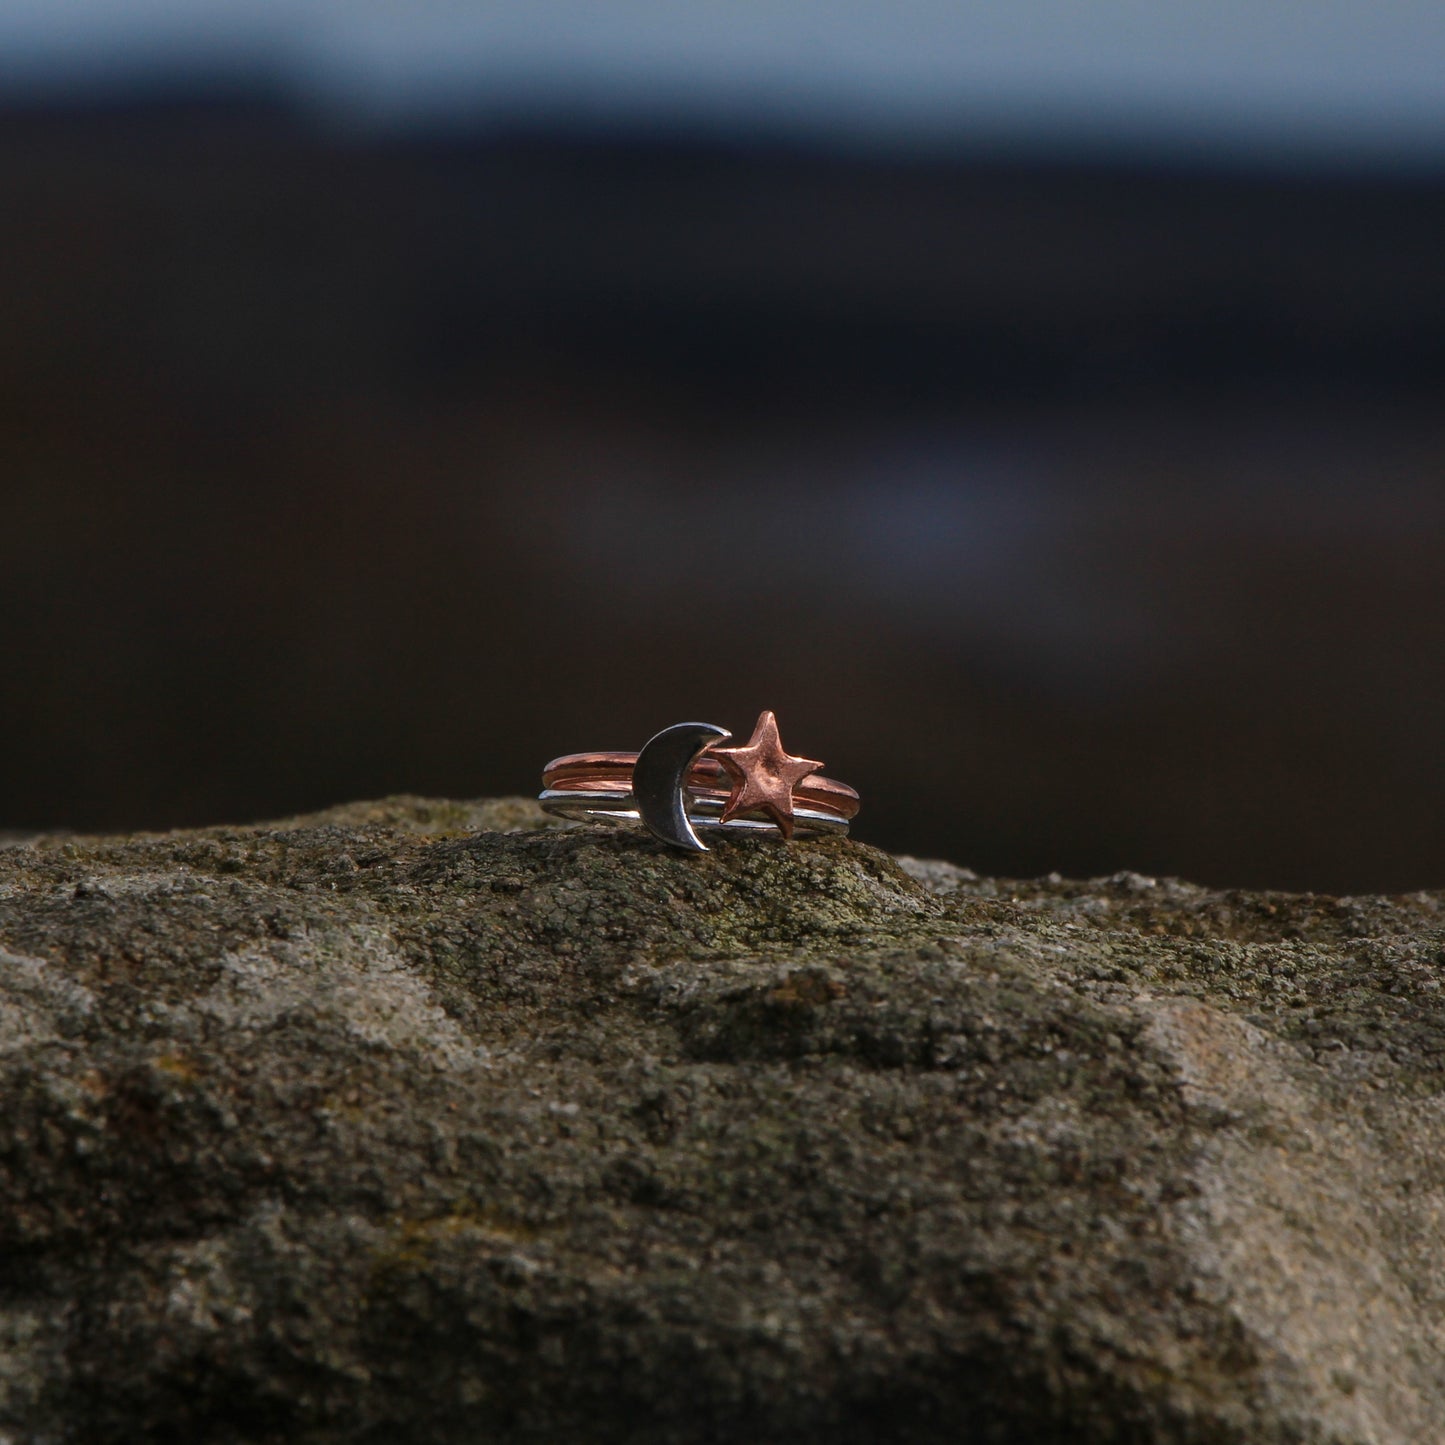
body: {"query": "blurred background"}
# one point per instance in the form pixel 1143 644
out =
pixel 1041 407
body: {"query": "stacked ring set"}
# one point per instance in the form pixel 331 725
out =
pixel 684 779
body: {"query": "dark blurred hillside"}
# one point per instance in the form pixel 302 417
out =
pixel 239 250
pixel 1083 517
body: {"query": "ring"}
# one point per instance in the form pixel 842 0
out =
pixel 683 780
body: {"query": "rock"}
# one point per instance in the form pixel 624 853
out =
pixel 426 1122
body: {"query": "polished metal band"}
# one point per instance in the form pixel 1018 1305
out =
pixel 613 771
pixel 613 806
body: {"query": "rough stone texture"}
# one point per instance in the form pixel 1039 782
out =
pixel 391 1125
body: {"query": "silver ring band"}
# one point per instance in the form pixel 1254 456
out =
pixel 620 807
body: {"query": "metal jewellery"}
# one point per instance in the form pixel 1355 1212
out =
pixel 683 780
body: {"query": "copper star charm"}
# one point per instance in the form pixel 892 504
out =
pixel 763 775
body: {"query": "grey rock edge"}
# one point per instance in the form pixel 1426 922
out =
pixel 429 1122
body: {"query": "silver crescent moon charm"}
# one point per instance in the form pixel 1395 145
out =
pixel 659 781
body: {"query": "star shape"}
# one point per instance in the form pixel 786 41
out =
pixel 763 775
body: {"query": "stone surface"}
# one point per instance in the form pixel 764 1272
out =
pixel 393 1125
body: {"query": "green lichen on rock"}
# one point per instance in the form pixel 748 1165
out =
pixel 420 1121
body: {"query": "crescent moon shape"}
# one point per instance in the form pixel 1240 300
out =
pixel 659 781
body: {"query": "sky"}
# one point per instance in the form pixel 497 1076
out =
pixel 1329 79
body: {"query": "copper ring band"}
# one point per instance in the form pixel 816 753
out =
pixel 611 772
